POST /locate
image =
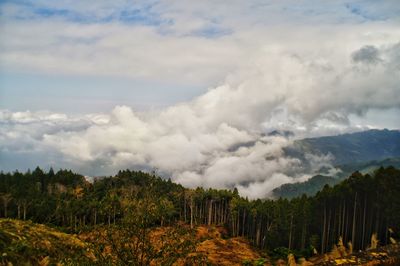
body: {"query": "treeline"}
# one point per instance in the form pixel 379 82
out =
pixel 355 209
pixel 67 199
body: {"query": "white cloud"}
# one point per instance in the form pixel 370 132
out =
pixel 262 188
pixel 171 51
pixel 217 139
pixel 264 73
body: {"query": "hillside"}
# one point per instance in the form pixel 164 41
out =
pixel 316 183
pixel 352 148
pixel 176 245
pixel 219 249
pixel 309 187
pixel 138 218
pixel 361 151
pixel 24 242
pixel 370 166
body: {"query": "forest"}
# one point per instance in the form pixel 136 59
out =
pixel 354 210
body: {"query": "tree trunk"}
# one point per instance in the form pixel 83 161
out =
pixel 243 222
pixel 201 213
pixel 303 235
pixel 24 210
pixel 6 200
pixel 353 233
pixel 329 228
pixel 114 215
pixel 290 233
pixel 238 222
pixel 339 221
pixel 191 213
pixel 323 232
pixel 184 207
pixel 258 233
pixel 215 221
pixel 364 225
pixel 210 208
pixel 343 220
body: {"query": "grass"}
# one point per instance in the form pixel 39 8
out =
pixel 24 242
pixel 27 243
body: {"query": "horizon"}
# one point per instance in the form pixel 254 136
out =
pixel 192 89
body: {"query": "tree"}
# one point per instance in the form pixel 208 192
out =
pixel 6 198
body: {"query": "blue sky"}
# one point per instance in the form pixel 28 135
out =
pixel 87 94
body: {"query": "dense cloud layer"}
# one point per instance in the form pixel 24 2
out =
pixel 220 138
pixel 312 69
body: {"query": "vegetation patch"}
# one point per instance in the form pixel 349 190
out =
pixel 24 242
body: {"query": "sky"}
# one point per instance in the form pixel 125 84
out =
pixel 192 88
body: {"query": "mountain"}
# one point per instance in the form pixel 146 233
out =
pixel 368 167
pixel 353 147
pixel 309 187
pixel 281 133
pixel 362 151
pixel 316 183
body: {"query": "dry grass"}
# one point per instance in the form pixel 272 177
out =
pixel 219 251
pixel 25 241
pixel 374 241
pixel 341 248
pixel 350 245
pixel 304 262
pixel 386 255
pixel 211 243
pixel 291 260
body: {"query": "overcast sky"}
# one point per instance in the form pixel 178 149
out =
pixel 185 86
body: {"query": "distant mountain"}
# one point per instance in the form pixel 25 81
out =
pixel 362 151
pixel 369 167
pixel 309 187
pixel 281 133
pixel 352 148
pixel 316 183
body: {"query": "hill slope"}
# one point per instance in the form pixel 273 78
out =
pixel 352 148
pixel 24 242
pixel 316 183
pixel 362 151
pixel 309 187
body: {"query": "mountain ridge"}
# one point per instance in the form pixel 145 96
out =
pixel 363 151
pixel 363 146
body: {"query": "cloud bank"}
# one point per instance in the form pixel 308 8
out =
pixel 310 68
pixel 220 139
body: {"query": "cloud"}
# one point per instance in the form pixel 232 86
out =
pixel 176 42
pixel 310 69
pixel 219 138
